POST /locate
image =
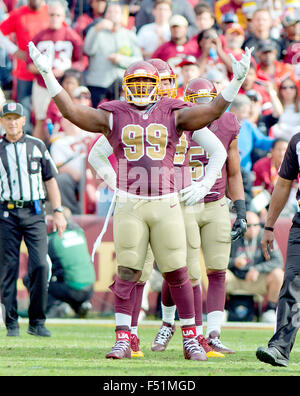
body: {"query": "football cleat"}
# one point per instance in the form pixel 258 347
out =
pixel 215 343
pixel 271 356
pixel 208 350
pixel 135 347
pixel 121 349
pixel 165 333
pixel 192 350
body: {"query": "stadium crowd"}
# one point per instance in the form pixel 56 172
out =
pixel 92 42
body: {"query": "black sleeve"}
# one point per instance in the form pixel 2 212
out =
pixel 49 169
pixel 289 167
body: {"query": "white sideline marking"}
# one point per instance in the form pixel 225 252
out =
pixel 248 325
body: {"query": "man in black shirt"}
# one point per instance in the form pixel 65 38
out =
pixel 25 164
pixel 261 27
pixel 288 316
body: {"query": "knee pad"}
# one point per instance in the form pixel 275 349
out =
pixel 122 288
pixel 178 277
pixel 128 274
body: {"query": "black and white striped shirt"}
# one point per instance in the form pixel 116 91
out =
pixel 24 165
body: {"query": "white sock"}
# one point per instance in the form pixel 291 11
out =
pixel 199 330
pixel 168 313
pixel 123 320
pixel 214 322
pixel 134 330
pixel 187 322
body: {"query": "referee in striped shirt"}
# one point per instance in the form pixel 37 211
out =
pixel 25 168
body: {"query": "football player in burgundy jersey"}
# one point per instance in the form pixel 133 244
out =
pixel 214 225
pixel 168 88
pixel 143 132
pixel 99 157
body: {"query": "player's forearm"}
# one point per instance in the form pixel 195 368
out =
pixel 82 116
pixel 197 117
pixel 235 188
pixel 279 199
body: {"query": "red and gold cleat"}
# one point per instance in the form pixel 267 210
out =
pixel 135 347
pixel 208 350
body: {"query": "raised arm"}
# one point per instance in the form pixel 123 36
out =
pixel 196 117
pixel 85 117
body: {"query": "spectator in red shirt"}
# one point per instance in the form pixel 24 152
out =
pixel 189 71
pixel 291 41
pixel 234 38
pixel 179 46
pixel 65 49
pixel 25 22
pixel 270 69
pixel 266 169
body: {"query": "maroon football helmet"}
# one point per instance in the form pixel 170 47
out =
pixel 199 90
pixel 141 83
pixel 165 73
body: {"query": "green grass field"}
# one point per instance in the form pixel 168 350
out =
pixel 79 350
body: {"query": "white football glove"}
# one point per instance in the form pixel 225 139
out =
pixel 194 193
pixel 240 68
pixel 41 61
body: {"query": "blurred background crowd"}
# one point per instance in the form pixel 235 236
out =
pixel 91 43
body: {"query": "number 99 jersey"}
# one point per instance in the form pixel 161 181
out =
pixel 144 143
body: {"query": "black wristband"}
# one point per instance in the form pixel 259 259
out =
pixel 269 228
pixel 240 208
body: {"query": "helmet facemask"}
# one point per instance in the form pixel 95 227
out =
pixel 171 91
pixel 200 97
pixel 139 92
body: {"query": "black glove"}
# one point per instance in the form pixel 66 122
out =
pixel 240 225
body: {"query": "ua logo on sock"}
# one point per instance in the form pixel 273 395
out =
pixel 188 333
pixel 122 336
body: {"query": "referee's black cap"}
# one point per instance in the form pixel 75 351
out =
pixel 12 108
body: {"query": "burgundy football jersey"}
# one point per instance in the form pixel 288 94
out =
pixel 226 128
pixel 144 143
pixel 181 162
